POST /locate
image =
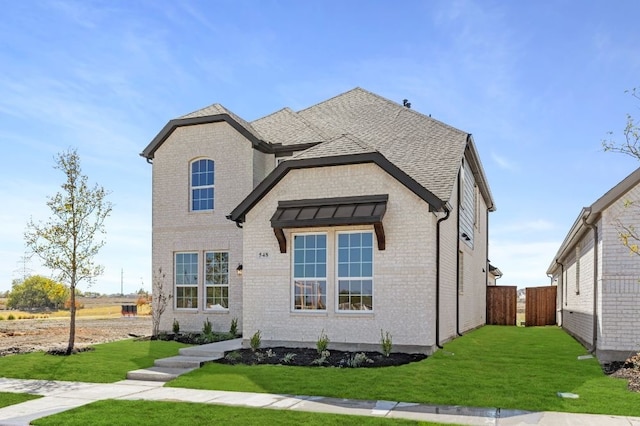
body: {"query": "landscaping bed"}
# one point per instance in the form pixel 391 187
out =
pixel 628 369
pixel 307 357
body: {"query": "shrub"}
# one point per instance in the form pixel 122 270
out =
pixel 233 356
pixel 324 355
pixel 11 317
pixel 1 318
pixel 207 328
pixel 67 304
pixel 288 358
pixel 386 343
pixel 234 327
pixel 358 360
pixel 176 326
pixel 256 341
pixel 322 343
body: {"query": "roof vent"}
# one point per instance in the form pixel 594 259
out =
pixel 406 103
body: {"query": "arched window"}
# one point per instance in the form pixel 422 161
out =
pixel 202 185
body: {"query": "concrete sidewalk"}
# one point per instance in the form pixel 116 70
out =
pixel 60 396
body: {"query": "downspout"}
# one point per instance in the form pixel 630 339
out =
pixel 442 219
pixel 486 273
pixel 458 257
pixel 595 280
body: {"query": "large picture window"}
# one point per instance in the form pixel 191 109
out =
pixel 202 185
pixel 217 280
pixel 355 271
pixel 310 272
pixel 186 280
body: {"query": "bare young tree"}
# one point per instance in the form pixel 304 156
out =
pixel 70 239
pixel 629 236
pixel 159 301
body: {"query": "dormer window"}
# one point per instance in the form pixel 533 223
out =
pixel 202 185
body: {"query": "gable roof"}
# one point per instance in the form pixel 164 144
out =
pixel 589 215
pixel 424 153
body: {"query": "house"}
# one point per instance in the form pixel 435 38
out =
pixel 351 217
pixel 598 295
pixel 494 275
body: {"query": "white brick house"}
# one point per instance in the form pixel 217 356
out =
pixel 598 278
pixel 352 216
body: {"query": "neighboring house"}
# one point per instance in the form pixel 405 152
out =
pixel 597 276
pixel 352 216
pixel 494 275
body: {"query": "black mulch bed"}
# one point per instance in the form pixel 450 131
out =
pixel 628 369
pixel 63 351
pixel 306 357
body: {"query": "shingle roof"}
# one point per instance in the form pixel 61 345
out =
pixel 427 150
pixel 341 145
pixel 217 109
pixel 288 128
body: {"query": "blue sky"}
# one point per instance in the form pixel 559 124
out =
pixel 538 84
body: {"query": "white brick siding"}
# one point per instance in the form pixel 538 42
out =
pixel 177 229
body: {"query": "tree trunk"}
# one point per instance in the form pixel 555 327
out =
pixel 72 324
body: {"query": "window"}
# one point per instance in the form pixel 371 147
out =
pixel 355 271
pixel 310 272
pixel 216 280
pixel 202 185
pixel 186 280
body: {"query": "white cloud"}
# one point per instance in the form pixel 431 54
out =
pixel 522 263
pixel 503 162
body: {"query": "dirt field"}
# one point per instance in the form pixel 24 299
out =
pixel 29 335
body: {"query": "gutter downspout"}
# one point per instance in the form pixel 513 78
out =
pixel 486 273
pixel 442 219
pixel 595 280
pixel 459 189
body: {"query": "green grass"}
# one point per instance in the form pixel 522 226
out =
pixel 9 398
pixel 108 363
pixel 505 367
pixel 111 412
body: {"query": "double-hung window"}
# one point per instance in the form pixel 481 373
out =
pixel 202 185
pixel 355 271
pixel 310 272
pixel 217 280
pixel 186 279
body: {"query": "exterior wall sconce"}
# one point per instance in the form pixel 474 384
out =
pixel 239 270
pixel 465 236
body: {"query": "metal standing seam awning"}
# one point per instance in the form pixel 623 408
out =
pixel 341 211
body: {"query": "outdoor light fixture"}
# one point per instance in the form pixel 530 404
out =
pixel 239 270
pixel 465 236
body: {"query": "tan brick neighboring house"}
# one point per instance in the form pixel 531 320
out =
pixel 598 278
pixel 352 216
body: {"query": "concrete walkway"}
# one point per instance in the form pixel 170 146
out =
pixel 60 396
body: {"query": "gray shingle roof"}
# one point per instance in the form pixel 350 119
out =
pixel 288 128
pixel 427 150
pixel 217 109
pixel 341 145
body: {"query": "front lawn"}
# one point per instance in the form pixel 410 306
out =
pixel 108 363
pixel 111 412
pixel 9 398
pixel 505 367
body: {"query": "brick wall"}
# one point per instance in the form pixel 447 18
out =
pixel 404 273
pixel 177 229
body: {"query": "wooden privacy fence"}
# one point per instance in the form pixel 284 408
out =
pixel 541 306
pixel 502 302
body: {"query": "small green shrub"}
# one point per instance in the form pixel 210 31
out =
pixel 207 328
pixel 288 358
pixel 270 353
pixel 234 327
pixel 358 360
pixel 233 356
pixel 1 318
pixel 386 343
pixel 11 317
pixel 256 341
pixel 322 343
pixel 322 359
pixel 176 326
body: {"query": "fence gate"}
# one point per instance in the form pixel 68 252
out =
pixel 541 306
pixel 502 304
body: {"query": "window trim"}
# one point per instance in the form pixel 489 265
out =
pixel 213 285
pixel 193 187
pixel 176 285
pixel 336 284
pixel 293 277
